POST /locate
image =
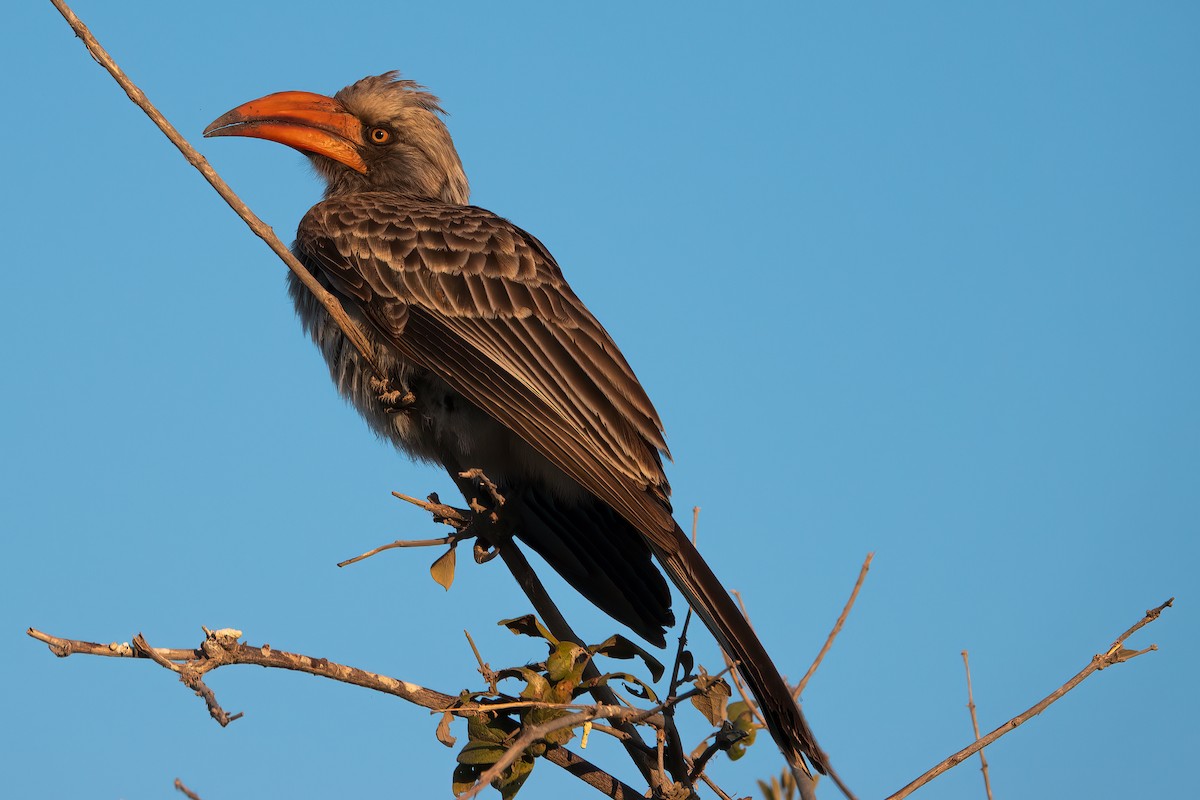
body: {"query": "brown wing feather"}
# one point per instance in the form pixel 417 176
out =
pixel 489 311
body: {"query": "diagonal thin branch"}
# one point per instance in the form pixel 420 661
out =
pixel 805 784
pixel 400 543
pixel 185 790
pixel 987 781
pixel 1114 655
pixel 837 627
pixel 260 228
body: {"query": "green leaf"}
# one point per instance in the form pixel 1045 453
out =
pixel 442 570
pixel 565 660
pixel 617 646
pixel 738 748
pixel 514 778
pixel 742 719
pixel 565 667
pixel 480 753
pixel 540 716
pixel 536 685
pixel 465 776
pixel 487 728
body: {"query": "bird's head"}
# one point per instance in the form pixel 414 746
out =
pixel 381 133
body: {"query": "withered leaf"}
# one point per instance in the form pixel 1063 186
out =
pixel 714 695
pixel 442 570
pixel 443 730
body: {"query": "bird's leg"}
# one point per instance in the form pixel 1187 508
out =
pixel 394 401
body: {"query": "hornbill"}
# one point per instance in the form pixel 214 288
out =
pixel 501 367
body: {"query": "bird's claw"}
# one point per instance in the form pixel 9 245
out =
pixel 488 486
pixel 394 401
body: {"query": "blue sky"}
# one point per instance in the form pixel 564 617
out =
pixel 919 279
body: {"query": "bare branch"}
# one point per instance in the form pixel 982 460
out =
pixel 837 627
pixel 987 782
pixel 806 784
pixel 1114 655
pixel 218 651
pixel 221 648
pixel 712 785
pixel 401 543
pixel 186 791
pixel 260 228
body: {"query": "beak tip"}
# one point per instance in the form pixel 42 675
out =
pixel 219 126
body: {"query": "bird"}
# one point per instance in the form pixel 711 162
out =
pixel 492 363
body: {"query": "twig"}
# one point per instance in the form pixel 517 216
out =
pixel 712 785
pixel 401 543
pixel 745 695
pixel 531 734
pixel 679 762
pixel 702 760
pixel 191 673
pixel 233 652
pixel 837 627
pixel 737 679
pixel 806 784
pixel 260 228
pixel 987 781
pixel 441 512
pixel 1114 655
pixel 186 791
pixel 673 741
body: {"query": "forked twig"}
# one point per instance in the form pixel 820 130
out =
pixel 1114 655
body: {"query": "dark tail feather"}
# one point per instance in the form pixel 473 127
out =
pixel 704 593
pixel 600 554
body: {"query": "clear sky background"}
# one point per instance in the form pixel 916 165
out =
pixel 913 278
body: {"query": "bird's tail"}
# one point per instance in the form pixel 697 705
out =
pixel 712 603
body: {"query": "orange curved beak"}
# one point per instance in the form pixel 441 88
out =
pixel 312 123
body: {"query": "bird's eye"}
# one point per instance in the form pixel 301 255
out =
pixel 379 135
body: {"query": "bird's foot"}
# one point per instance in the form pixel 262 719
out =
pixel 489 526
pixel 394 401
pixel 488 488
